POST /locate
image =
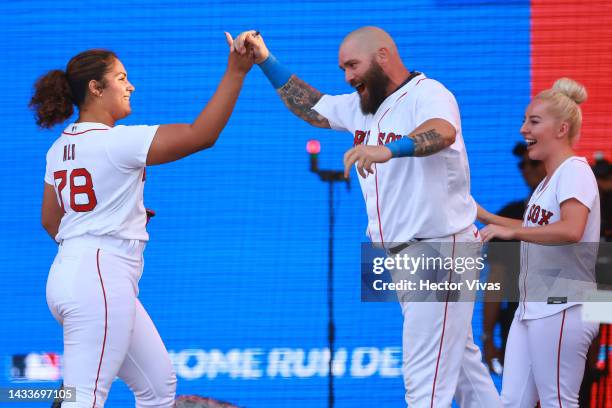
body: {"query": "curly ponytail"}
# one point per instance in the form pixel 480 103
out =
pixel 56 91
pixel 52 99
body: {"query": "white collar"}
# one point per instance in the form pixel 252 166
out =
pixel 400 92
pixel 74 129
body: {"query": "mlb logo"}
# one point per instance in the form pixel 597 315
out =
pixel 36 367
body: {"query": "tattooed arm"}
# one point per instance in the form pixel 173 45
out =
pixel 300 97
pixel 432 136
pixel 429 138
pixel 297 95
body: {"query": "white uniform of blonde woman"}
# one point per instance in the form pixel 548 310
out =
pixel 548 341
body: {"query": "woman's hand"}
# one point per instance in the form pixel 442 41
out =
pixel 497 231
pixel 238 63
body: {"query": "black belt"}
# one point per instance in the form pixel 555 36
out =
pixel 399 248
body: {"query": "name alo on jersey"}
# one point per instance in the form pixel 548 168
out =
pixel 69 152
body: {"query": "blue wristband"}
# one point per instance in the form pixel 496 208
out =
pixel 402 148
pixel 276 73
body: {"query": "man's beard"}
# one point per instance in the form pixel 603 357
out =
pixel 376 82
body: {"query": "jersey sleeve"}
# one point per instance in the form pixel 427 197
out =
pixel 127 146
pixel 577 181
pixel 434 101
pixel 338 110
pixel 48 176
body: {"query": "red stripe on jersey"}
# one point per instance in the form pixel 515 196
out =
pixel 381 118
pixel 80 133
pixel 369 233
pixel 105 326
pixel 382 240
pixel 526 256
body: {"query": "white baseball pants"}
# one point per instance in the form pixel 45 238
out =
pixel 92 291
pixel 545 360
pixel 440 359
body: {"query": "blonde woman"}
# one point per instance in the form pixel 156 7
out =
pixel 548 341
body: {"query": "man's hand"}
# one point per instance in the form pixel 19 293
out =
pixel 237 62
pixel 365 156
pixel 497 231
pixel 252 41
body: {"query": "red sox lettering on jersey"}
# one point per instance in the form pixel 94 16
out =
pixel 383 138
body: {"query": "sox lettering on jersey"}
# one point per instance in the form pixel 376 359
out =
pixel 383 138
pixel 538 215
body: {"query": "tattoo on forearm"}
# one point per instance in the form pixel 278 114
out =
pixel 428 142
pixel 300 98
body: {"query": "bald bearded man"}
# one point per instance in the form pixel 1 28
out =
pixel 414 175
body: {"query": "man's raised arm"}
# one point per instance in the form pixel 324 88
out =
pixel 296 94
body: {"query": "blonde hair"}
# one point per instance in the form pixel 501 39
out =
pixel 564 98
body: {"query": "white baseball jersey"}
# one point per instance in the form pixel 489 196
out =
pixel 409 197
pixel 552 275
pixel 98 173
